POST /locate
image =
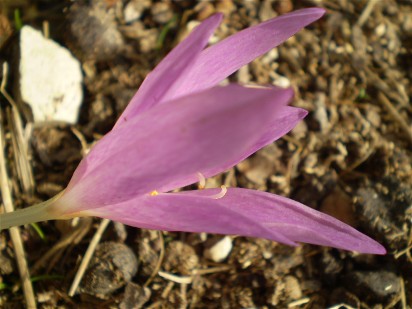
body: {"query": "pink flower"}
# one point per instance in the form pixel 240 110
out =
pixel 178 126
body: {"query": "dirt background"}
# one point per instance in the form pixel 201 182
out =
pixel 351 158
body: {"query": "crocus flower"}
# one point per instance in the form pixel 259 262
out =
pixel 181 126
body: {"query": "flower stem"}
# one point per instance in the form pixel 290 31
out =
pixel 36 213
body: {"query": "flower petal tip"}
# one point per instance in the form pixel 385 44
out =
pixel 217 17
pixel 315 11
pixel 301 113
pixel 376 248
pixel 320 11
pixel 214 19
pixel 364 245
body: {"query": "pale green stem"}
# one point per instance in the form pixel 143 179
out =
pixel 39 212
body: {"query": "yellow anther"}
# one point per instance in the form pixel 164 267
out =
pixel 221 194
pixel 202 180
pixel 154 193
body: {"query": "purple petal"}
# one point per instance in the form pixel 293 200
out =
pixel 187 69
pixel 285 120
pixel 226 57
pixel 167 72
pixel 242 212
pixel 166 147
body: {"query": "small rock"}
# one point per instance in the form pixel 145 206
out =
pixel 56 148
pixel 280 81
pixel 321 114
pixel 380 29
pixel 47 298
pixel 283 263
pixel 112 266
pixel 292 288
pixel 180 258
pixel 120 230
pixel 135 296
pixel 50 78
pixel 95 31
pixel 259 167
pixel 373 117
pixel 101 114
pixel 162 12
pixel 134 10
pixel 330 264
pixel 379 283
pixel 147 38
pixel 370 205
pixel 226 7
pixel 271 56
pixel 383 205
pixel 6 263
pixel 284 6
pixel 148 257
pixel 266 10
pixel 247 254
pixel 220 250
pixel 339 205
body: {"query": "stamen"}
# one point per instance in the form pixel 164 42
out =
pixel 202 181
pixel 154 193
pixel 220 194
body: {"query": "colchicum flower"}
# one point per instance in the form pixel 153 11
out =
pixel 181 126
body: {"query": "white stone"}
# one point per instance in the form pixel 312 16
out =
pixel 220 250
pixel 279 80
pixel 50 78
pixel 134 10
pixel 380 30
pixel 131 13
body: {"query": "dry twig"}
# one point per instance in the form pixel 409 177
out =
pixel 8 206
pixel 403 294
pixel 74 237
pixel 175 278
pixel 299 302
pixel 88 255
pixel 19 142
pixel 159 261
pixel 366 12
pixel 395 114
